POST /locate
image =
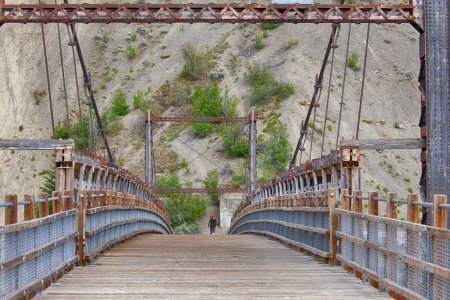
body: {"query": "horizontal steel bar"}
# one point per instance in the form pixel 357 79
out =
pixel 6 204
pixel 362 198
pixel 399 201
pixel 425 204
pixel 34 144
pixel 199 190
pixel 206 13
pixel 384 144
pixel 444 205
pixel 379 199
pixel 200 119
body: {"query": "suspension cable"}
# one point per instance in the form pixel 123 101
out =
pixel 363 81
pixel 343 85
pixel 48 77
pixel 72 44
pixel 333 48
pixel 62 72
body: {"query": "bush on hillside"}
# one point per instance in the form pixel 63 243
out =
pixel 211 181
pixel 119 105
pixel 264 87
pixel 197 64
pixel 80 132
pixel 206 102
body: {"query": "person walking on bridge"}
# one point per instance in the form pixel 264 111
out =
pixel 212 224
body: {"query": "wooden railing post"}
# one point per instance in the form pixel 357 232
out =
pixel 345 200
pixel 413 211
pixel 68 203
pixel 57 204
pixel 357 206
pixel 43 207
pixel 104 198
pixel 373 210
pixel 28 210
pixel 81 231
pixel 11 211
pixel 439 214
pixel 391 208
pixel 331 198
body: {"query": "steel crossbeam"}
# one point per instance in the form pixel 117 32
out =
pixel 199 190
pixel 200 119
pixel 205 13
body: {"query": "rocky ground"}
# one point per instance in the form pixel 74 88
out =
pixel 391 99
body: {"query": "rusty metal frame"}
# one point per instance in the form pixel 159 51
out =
pixel 199 190
pixel 206 13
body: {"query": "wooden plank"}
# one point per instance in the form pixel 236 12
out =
pixel 18 144
pixel 43 207
pixel 439 214
pixel 379 144
pixel 412 210
pixel 391 208
pixel 331 199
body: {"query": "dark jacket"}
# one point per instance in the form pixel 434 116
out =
pixel 212 223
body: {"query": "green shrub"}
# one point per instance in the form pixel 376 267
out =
pixel 265 34
pixel 111 124
pixel 329 127
pixel 211 181
pixel 62 131
pixel 119 105
pixel 206 102
pixel 259 44
pixel 407 179
pixel 131 52
pixel 353 61
pixel 237 180
pixel 49 185
pixel 21 128
pixel 196 64
pixel 80 132
pixel 132 36
pixel 315 127
pixel 235 144
pixel 270 26
pixel 275 155
pixel 137 100
pixel 182 208
pixel 264 87
pixel 186 229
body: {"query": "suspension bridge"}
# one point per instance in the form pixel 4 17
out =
pixel 306 233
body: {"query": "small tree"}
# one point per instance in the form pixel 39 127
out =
pixel 211 181
pixel 275 155
pixel 206 102
pixel 131 52
pixel 119 105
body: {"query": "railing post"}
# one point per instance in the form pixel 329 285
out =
pixel 439 214
pixel 357 206
pixel 57 204
pixel 28 210
pixel 373 210
pixel 81 231
pixel 413 211
pixel 11 211
pixel 331 197
pixel 391 208
pixel 104 199
pixel 43 207
pixel 68 202
pixel 345 200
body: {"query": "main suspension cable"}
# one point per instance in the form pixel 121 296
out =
pixel 363 81
pixel 343 86
pixel 334 46
pixel 63 73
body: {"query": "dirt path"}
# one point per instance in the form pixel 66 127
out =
pixel 203 222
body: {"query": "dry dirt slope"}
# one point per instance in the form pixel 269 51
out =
pixel 391 93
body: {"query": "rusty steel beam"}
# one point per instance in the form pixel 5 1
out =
pixel 206 13
pixel 199 119
pixel 198 190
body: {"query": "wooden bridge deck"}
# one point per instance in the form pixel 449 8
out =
pixel 207 267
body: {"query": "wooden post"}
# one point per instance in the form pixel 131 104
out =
pixel 439 214
pixel 81 231
pixel 68 203
pixel 373 210
pixel 357 207
pixel 345 201
pixel 413 211
pixel 11 211
pixel 391 208
pixel 357 204
pixel 57 204
pixel 28 210
pixel 331 199
pixel 104 199
pixel 373 205
pixel 43 207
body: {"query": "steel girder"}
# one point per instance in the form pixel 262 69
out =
pixel 205 13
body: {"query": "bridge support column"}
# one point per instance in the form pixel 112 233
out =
pixel 148 149
pixel 437 28
pixel 252 156
pixel 64 173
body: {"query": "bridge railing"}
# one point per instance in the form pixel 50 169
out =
pixel 34 251
pixel 107 217
pixel 318 208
